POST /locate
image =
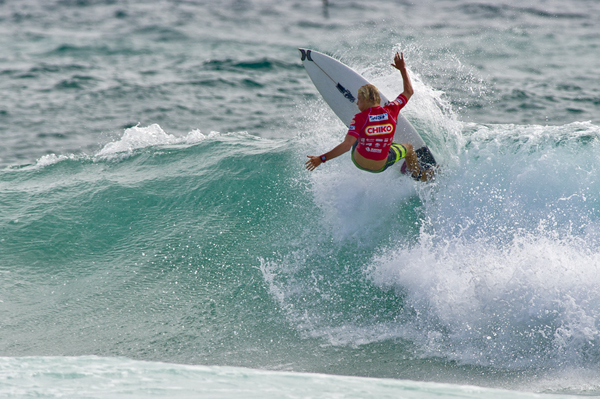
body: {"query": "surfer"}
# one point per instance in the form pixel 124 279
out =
pixel 371 133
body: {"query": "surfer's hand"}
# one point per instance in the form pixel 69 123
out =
pixel 313 162
pixel 399 63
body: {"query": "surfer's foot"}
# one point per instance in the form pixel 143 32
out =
pixel 428 174
pixel 412 163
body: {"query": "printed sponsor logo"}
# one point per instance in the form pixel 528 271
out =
pixel 352 127
pixel 370 149
pixel 398 101
pixel 378 118
pixel 379 129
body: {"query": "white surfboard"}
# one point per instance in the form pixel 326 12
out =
pixel 339 84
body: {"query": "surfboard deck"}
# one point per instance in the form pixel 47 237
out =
pixel 339 84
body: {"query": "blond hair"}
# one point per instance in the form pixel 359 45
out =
pixel 370 94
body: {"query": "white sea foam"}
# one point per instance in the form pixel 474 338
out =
pixel 133 138
pixel 93 377
pixel 138 137
pixel 505 267
pixel 357 204
pixel 52 159
pixel 532 301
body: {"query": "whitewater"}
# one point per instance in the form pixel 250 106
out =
pixel 159 236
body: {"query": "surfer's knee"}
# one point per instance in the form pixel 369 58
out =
pixel 409 149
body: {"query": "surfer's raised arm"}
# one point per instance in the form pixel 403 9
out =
pixel 400 65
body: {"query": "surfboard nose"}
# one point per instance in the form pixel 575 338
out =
pixel 304 54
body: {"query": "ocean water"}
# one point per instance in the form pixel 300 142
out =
pixel 159 236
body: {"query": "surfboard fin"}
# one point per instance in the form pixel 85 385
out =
pixel 426 159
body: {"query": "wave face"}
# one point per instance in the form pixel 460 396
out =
pixel 216 249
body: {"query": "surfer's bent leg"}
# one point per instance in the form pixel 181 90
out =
pixel 412 162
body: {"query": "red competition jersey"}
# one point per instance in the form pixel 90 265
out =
pixel 375 128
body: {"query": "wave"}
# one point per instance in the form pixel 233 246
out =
pixel 94 377
pixel 493 265
pixel 223 244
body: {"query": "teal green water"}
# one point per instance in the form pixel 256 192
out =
pixel 171 239
pixel 219 250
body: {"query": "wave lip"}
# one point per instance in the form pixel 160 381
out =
pixel 137 137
